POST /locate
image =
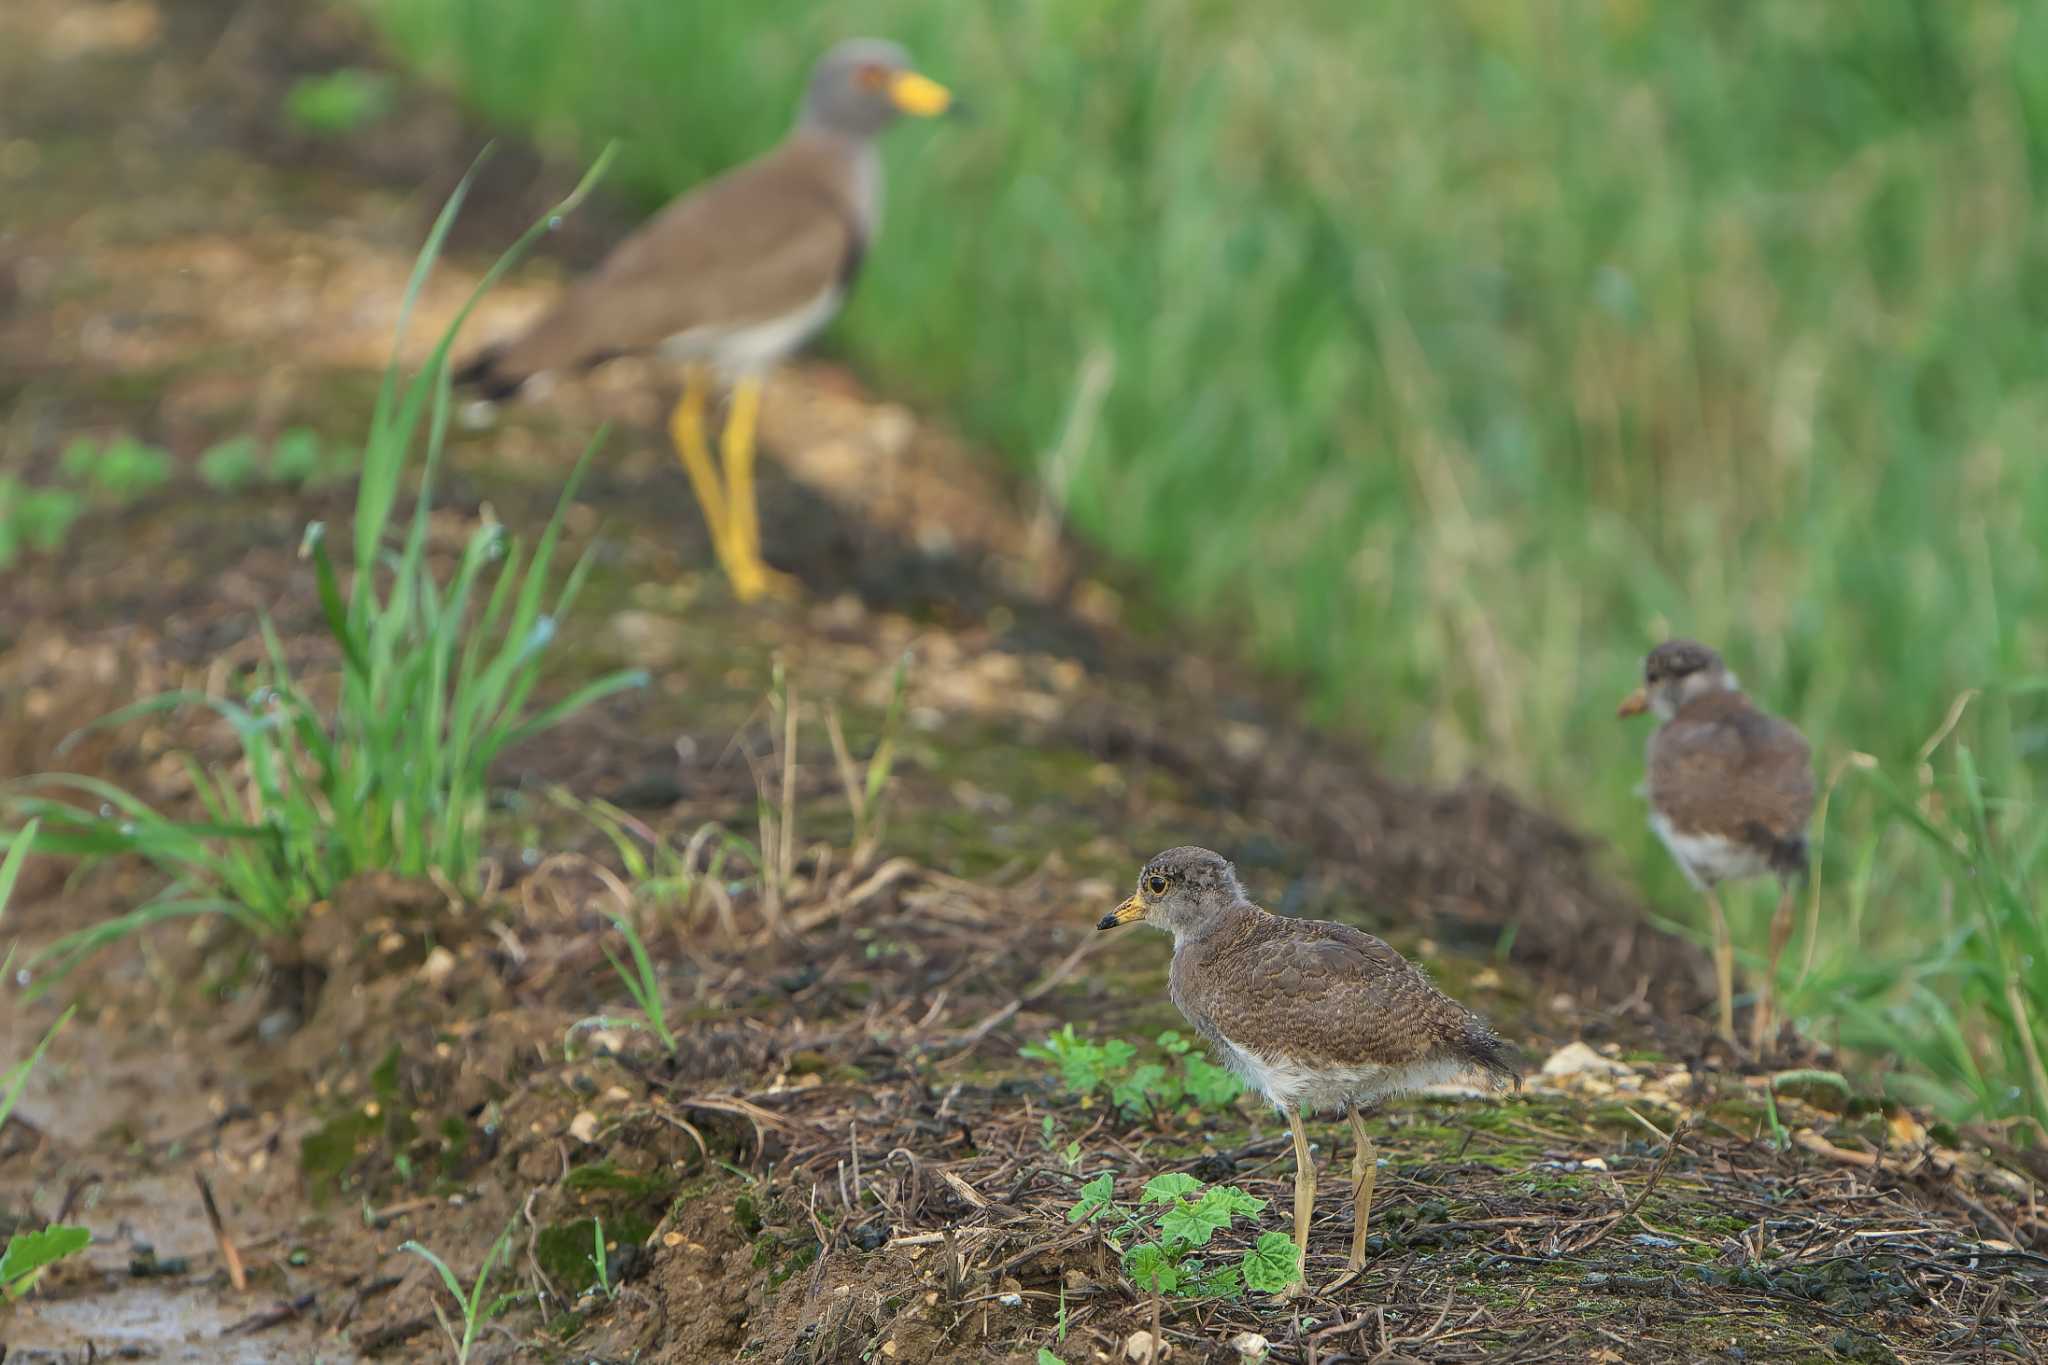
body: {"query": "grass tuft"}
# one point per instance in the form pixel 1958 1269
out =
pixel 437 679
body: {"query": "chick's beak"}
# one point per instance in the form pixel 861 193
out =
pixel 919 95
pixel 1634 704
pixel 1131 909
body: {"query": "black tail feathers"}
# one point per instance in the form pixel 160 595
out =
pixel 484 375
pixel 1790 857
pixel 1787 855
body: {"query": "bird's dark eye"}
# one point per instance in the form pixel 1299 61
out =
pixel 1156 884
pixel 871 75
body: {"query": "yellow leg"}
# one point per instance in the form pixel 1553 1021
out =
pixel 1781 929
pixel 1365 1166
pixel 1304 1196
pixel 1724 966
pixel 686 431
pixel 750 577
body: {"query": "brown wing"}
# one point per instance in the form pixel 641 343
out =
pixel 1721 766
pixel 1314 988
pixel 755 244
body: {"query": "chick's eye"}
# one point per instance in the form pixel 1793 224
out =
pixel 1156 884
pixel 871 76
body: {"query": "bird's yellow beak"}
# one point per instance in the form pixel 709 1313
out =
pixel 1634 704
pixel 1123 914
pixel 919 95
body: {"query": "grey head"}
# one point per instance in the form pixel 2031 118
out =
pixel 1183 891
pixel 1673 674
pixel 862 85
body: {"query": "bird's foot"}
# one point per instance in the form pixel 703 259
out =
pixel 752 580
pixel 1351 1272
pixel 1292 1291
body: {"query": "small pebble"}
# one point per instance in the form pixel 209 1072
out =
pixel 1143 1347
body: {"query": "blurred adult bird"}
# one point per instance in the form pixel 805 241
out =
pixel 733 277
pixel 1730 790
pixel 1312 1014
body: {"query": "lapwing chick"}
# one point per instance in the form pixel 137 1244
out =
pixel 733 277
pixel 1317 1017
pixel 1730 790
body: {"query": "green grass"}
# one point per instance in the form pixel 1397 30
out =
pixel 1456 352
pixel 437 676
pixel 475 1313
pixel 642 981
pixel 1970 1010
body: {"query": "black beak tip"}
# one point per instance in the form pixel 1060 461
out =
pixel 1108 921
pixel 960 111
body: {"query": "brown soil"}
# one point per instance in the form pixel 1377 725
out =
pixel 844 1159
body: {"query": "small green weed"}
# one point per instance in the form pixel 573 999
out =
pixel 124 468
pixel 661 874
pixel 296 459
pixel 16 1077
pixel 28 1253
pixel 1175 1218
pixel 232 465
pixel 1185 1078
pixel 867 788
pixel 475 1312
pixel 599 1261
pixel 641 981
pixel 1069 1155
pixel 340 101
pixel 34 518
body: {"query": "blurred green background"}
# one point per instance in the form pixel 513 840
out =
pixel 1449 354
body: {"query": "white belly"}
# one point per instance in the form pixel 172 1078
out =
pixel 1291 1084
pixel 749 348
pixel 1709 858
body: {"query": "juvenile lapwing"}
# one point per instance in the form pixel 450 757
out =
pixel 733 277
pixel 1315 1016
pixel 1730 790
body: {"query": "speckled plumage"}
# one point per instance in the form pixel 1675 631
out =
pixel 1321 1015
pixel 1314 1015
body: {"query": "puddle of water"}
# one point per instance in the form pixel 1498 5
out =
pixel 163 1323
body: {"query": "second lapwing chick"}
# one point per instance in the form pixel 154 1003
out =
pixel 1731 790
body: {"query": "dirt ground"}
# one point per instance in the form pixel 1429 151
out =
pixel 845 1159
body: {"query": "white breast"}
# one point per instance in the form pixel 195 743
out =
pixel 749 348
pixel 1293 1084
pixel 1709 858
